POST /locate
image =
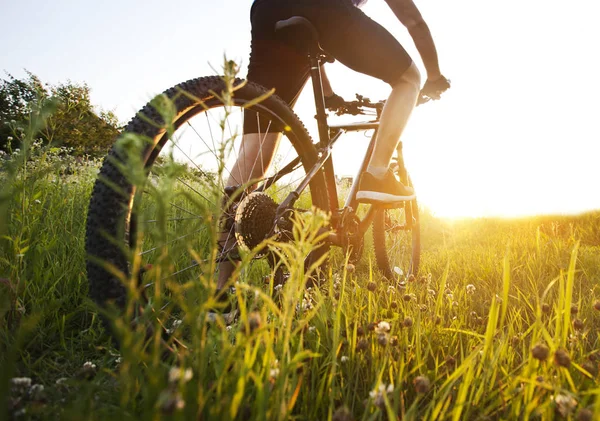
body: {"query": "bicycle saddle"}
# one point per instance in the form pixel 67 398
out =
pixel 302 34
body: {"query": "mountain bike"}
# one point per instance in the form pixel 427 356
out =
pixel 192 128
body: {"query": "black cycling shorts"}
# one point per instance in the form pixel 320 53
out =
pixel 345 33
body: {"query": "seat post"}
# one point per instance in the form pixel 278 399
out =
pixel 315 75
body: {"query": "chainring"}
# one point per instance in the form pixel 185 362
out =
pixel 254 219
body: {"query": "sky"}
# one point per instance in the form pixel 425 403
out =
pixel 517 134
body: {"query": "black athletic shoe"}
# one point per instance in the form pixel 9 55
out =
pixel 386 190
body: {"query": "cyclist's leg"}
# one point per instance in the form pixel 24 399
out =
pixel 365 46
pixel 272 64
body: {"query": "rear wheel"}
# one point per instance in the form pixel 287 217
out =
pixel 167 209
pixel 397 240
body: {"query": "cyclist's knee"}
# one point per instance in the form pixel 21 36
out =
pixel 411 76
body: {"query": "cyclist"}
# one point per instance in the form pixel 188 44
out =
pixel 358 42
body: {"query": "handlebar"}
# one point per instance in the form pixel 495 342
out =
pixel 362 104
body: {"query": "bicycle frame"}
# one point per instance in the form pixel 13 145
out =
pixel 328 135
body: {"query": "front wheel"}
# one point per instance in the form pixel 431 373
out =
pixel 397 241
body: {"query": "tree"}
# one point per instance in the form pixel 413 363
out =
pixel 75 123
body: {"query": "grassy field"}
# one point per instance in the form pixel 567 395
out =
pixel 502 324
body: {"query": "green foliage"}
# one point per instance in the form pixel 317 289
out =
pixel 74 123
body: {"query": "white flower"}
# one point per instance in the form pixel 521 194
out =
pixel 345 359
pixel 37 201
pixel 61 380
pixel 379 392
pixel 176 374
pixel 311 329
pixel 278 287
pixel 274 373
pixel 565 404
pixel 382 327
pixel 21 382
pixel 471 289
pixel 398 271
pixel 88 365
pixel 9 138
pixel 176 323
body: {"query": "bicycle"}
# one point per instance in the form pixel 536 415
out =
pixel 307 178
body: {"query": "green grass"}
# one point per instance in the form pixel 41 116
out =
pixel 459 344
pixel 475 349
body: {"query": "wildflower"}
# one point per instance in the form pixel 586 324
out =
pixel 254 321
pixel 408 322
pixel 371 326
pixel 391 289
pixel 471 289
pixel 37 392
pixel 578 324
pixel 394 304
pixel 394 340
pixel 176 374
pixel 406 297
pixel 88 370
pixel 372 286
pixel 591 368
pixel 383 327
pixel 597 305
pixel 312 329
pixel 431 292
pixel 350 268
pixel 274 371
pixel 20 382
pixel 398 271
pixel 10 138
pixel 574 309
pixel 422 384
pixel 360 331
pixel 378 394
pixel 562 359
pixel 176 323
pixel 584 414
pixel 344 359
pixel 342 414
pixel 565 404
pixel 61 380
pixel 540 352
pixel 382 339
pixel 411 278
pixel 170 401
pixel 277 288
pixel 545 308
pixel 362 345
